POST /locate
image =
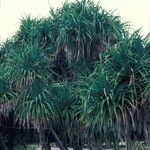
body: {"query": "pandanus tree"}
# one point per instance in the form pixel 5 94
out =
pixel 114 92
pixel 8 100
pixel 85 29
pixel 78 72
pixel 30 73
pixel 67 104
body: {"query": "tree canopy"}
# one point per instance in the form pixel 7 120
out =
pixel 78 75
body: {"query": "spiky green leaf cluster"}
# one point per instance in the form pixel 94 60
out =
pixel 80 70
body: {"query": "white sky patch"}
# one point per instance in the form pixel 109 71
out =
pixel 137 12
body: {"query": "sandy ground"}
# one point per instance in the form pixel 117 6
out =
pixel 56 148
pixel 53 148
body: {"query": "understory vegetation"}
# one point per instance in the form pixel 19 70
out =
pixel 77 78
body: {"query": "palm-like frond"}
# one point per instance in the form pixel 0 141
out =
pixel 85 29
pixel 8 99
pixel 37 108
pixel 114 91
pixel 64 99
pixel 79 69
pixel 27 64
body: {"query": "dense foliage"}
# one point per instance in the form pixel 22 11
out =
pixel 77 78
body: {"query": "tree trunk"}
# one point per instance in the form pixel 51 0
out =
pixel 77 145
pixel 11 139
pixel 43 140
pixel 127 134
pixel 11 132
pixel 116 146
pixel 94 144
pixel 147 135
pixel 2 143
pixel 58 141
pixel 147 131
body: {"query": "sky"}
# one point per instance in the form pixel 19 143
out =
pixel 137 12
